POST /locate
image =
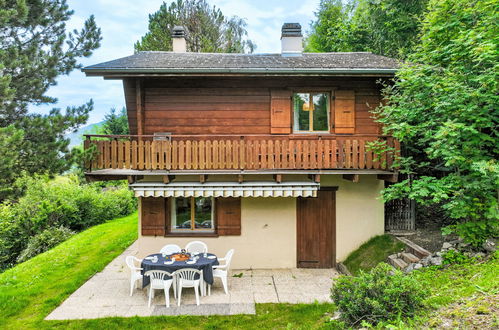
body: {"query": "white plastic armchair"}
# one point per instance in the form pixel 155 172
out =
pixel 160 280
pixel 135 274
pixel 189 278
pixel 196 246
pixel 222 271
pixel 170 249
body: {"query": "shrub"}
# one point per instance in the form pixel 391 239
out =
pixel 455 257
pixel 44 241
pixel 53 203
pixel 474 233
pixel 382 294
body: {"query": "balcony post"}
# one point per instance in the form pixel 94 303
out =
pixel 88 161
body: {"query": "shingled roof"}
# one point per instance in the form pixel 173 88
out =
pixel 155 62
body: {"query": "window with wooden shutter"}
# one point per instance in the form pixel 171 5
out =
pixel 280 116
pixel 228 213
pixel 154 216
pixel 344 112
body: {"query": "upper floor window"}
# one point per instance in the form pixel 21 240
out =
pixel 311 112
pixel 192 214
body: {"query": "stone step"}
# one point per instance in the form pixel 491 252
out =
pixel 413 248
pixel 397 263
pixel 409 257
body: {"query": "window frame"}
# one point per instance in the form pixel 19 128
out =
pixel 193 231
pixel 311 123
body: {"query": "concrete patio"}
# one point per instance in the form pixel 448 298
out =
pixel 106 294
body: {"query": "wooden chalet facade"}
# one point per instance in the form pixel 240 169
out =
pixel 257 152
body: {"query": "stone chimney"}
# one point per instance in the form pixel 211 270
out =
pixel 291 40
pixel 179 44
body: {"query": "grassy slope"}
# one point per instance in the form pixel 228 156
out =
pixel 462 294
pixel 374 251
pixel 31 290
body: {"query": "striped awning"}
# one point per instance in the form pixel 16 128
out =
pixel 225 189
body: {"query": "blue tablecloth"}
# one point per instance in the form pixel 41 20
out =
pixel 203 264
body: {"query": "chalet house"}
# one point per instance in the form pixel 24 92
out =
pixel 268 154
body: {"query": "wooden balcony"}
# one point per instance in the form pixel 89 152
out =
pixel 234 152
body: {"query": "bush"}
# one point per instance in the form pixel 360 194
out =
pixel 53 203
pixel 44 241
pixel 474 233
pixel 451 257
pixel 382 294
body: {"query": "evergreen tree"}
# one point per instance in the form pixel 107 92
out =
pixel 35 49
pixel 116 124
pixel 208 30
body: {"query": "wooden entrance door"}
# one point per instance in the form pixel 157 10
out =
pixel 316 230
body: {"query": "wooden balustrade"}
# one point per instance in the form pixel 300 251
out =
pixel 240 153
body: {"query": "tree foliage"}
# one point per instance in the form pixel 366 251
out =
pixel 208 30
pixel 444 108
pixel 116 124
pixel 385 27
pixel 34 50
pixel 53 203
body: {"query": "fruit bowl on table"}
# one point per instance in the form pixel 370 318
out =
pixel 180 256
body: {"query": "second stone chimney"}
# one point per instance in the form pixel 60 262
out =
pixel 291 40
pixel 179 44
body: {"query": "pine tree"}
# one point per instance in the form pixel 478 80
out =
pixel 208 30
pixel 35 49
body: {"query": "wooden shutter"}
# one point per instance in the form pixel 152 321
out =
pixel 280 116
pixel 228 212
pixel 344 112
pixel 154 216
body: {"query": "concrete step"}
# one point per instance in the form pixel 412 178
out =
pixel 397 263
pixel 409 257
pixel 413 248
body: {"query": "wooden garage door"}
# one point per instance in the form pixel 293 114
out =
pixel 316 231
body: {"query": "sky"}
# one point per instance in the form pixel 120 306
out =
pixel 123 22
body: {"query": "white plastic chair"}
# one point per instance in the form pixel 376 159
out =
pixel 170 249
pixel 135 274
pixel 186 278
pixel 158 282
pixel 196 246
pixel 222 271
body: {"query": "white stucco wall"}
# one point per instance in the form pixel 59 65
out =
pixel 268 226
pixel 268 236
pixel 359 211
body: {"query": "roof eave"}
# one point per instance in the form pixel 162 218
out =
pixel 129 72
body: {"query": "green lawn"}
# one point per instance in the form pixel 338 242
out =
pixel 371 253
pixel 462 295
pixel 31 290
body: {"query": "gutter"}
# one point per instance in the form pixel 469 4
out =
pixel 89 71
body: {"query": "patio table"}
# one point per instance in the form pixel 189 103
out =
pixel 203 264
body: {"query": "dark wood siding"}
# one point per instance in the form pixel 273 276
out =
pixel 214 105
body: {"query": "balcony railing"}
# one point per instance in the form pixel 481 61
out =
pixel 229 152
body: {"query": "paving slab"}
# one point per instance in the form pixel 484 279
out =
pixel 107 293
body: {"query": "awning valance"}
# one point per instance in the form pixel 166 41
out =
pixel 225 189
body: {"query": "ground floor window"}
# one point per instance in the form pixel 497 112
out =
pixel 192 214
